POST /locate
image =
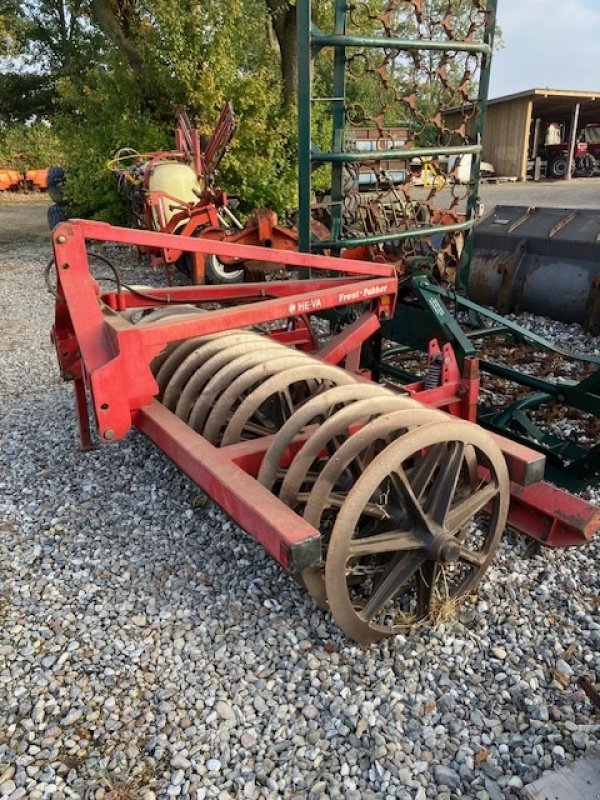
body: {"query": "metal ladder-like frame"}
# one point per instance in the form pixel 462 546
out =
pixel 310 42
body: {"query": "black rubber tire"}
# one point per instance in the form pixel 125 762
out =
pixel 56 214
pixel 557 167
pixel 56 178
pixel 585 166
pixel 216 273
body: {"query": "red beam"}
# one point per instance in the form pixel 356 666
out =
pixel 103 232
pixel 157 334
pixel 248 455
pixel 552 516
pixel 351 339
pixel 525 465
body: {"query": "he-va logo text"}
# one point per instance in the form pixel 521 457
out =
pixel 305 306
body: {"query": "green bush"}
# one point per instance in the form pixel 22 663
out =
pixel 95 124
pixel 25 146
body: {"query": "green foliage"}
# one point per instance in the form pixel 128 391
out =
pixel 24 95
pixel 204 55
pixel 261 164
pixel 91 129
pixel 29 146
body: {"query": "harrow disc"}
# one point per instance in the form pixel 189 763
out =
pixel 240 384
pixel 190 378
pixel 433 539
pixel 229 386
pixel 327 440
pixel 180 352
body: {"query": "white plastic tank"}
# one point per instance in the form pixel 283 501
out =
pixel 179 183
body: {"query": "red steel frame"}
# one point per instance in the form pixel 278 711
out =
pixel 109 358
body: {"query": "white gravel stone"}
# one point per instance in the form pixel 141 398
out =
pixel 177 777
pixel 224 710
pixel 180 762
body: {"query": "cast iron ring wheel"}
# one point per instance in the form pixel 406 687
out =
pixel 435 535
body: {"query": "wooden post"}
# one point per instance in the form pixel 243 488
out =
pixel 536 139
pixel 535 155
pixel 525 152
pixel 572 140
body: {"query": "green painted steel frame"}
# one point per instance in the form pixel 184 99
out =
pixel 422 315
pixel 482 100
pixel 310 42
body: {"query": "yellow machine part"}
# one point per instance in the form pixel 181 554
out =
pixel 179 183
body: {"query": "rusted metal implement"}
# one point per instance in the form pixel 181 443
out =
pixel 387 503
pixel 396 62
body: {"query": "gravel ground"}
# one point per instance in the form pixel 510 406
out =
pixel 149 649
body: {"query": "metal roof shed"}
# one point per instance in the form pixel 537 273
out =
pixel 512 122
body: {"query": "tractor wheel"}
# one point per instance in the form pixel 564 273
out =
pixel 56 214
pixel 557 168
pixel 56 177
pixel 585 166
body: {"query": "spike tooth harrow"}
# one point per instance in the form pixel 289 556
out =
pixel 386 507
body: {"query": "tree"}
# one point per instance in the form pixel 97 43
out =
pixel 209 52
pixel 42 41
pixel 283 19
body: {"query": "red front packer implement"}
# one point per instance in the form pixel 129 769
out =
pixel 388 502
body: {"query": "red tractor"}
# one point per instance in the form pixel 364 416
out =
pixel 586 155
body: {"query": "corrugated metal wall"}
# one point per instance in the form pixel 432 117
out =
pixel 506 137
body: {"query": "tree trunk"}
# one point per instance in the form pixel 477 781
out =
pixel 283 16
pixel 109 24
